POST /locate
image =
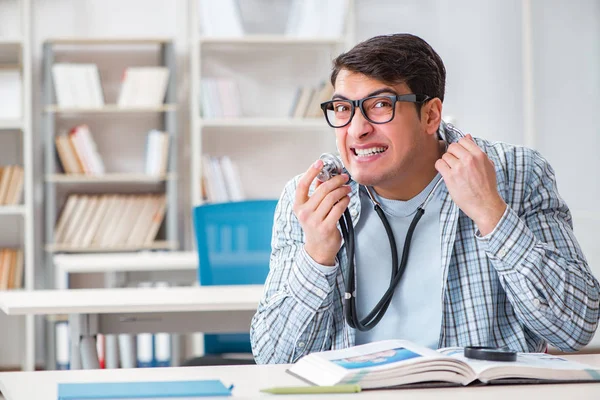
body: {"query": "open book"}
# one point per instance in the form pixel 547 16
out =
pixel 398 362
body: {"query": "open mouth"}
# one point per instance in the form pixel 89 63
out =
pixel 368 152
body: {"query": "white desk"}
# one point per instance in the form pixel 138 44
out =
pixel 207 309
pixel 248 380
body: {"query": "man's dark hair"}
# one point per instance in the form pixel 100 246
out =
pixel 395 59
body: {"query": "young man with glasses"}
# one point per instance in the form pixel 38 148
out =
pixel 493 260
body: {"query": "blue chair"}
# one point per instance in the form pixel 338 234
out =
pixel 234 247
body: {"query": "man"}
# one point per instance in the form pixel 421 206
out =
pixel 492 262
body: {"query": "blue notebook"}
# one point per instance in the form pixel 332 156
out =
pixel 141 390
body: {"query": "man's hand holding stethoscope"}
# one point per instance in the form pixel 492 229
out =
pixel 470 177
pixel 319 213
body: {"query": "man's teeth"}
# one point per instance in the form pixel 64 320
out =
pixel 369 152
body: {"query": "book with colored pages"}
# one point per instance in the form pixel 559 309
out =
pixel 142 390
pixel 400 363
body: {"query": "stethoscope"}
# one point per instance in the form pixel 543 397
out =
pixel 333 166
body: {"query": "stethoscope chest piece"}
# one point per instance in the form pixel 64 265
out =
pixel 490 353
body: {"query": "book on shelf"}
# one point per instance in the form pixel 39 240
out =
pixel 11 101
pixel 307 100
pixel 221 179
pixel 157 152
pixel 317 18
pixel 77 85
pixel 220 18
pixel 11 184
pixel 110 220
pixel 395 363
pixel 11 269
pixel 143 87
pixel 220 98
pixel 78 152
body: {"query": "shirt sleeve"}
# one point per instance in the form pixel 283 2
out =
pixel 294 317
pixel 541 265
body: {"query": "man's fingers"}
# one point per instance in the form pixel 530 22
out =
pixel 458 150
pixel 330 200
pixel 450 160
pixel 306 180
pixel 337 210
pixel 442 167
pixel 468 143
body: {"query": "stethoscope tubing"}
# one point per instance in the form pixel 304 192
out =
pixel 347 228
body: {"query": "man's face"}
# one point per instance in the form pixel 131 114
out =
pixel 378 155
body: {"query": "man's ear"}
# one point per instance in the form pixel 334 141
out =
pixel 431 115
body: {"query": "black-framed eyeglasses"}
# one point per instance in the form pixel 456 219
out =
pixel 376 109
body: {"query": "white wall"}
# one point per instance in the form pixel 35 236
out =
pixel 480 42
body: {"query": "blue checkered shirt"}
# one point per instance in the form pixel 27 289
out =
pixel 524 285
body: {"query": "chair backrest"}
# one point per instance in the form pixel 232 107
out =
pixel 234 246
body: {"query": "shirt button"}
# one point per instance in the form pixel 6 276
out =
pixel 536 303
pixel 502 252
pixel 354 213
pixel 319 293
pixel 300 344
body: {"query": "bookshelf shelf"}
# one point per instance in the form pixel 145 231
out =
pixel 157 245
pixel 9 124
pixel 269 40
pixel 10 41
pixel 110 108
pixel 109 178
pixel 12 210
pixel 309 123
pixel 109 41
pixel 11 67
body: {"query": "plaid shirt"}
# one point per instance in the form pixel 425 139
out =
pixel 524 285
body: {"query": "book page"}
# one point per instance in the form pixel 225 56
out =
pixel 534 366
pixel 382 364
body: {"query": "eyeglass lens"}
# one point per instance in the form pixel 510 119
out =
pixel 375 109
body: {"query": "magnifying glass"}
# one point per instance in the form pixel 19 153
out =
pixel 490 353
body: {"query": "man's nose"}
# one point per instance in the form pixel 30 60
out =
pixel 359 125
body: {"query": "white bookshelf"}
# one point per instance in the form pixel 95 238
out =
pixel 110 108
pixel 20 45
pixel 299 123
pixel 239 55
pixel 11 124
pixel 156 245
pixel 268 40
pixel 13 210
pixel 109 178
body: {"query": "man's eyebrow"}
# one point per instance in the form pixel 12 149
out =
pixel 374 93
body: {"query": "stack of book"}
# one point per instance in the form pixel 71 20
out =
pixel 110 220
pixel 77 85
pixel 143 87
pixel 78 153
pixel 222 182
pixel 307 100
pixel 220 98
pixel 11 185
pixel 11 269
